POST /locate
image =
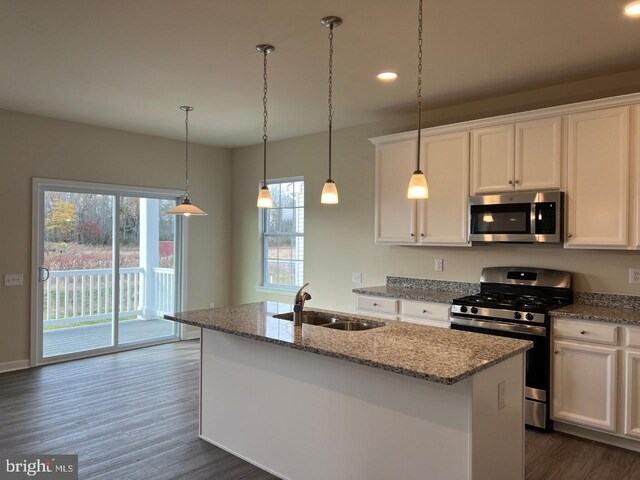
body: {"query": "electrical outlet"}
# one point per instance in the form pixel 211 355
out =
pixel 439 265
pixel 13 280
pixel 502 392
pixel 212 305
pixel 634 275
pixel 356 277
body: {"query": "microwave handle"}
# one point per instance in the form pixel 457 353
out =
pixel 533 218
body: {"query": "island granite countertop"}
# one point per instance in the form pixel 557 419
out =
pixel 430 353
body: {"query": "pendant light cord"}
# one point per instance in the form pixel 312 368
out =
pixel 419 78
pixel 265 116
pixel 330 92
pixel 186 153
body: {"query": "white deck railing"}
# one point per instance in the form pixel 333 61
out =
pixel 79 296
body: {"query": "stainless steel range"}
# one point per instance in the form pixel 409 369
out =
pixel 515 302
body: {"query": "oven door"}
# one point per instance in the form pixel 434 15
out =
pixel 537 373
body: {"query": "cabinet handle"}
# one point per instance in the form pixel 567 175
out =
pixel 422 235
pixel 424 311
pixel 582 332
pixel 376 304
pixel 413 235
pixel 570 235
pixel 556 351
pixel 510 182
pixel 517 181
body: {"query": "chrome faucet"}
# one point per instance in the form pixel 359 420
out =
pixel 301 297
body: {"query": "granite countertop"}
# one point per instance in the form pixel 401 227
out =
pixel 628 316
pixel 410 293
pixel 430 353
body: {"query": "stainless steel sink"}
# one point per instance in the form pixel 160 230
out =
pixel 310 318
pixel 329 321
pixel 352 326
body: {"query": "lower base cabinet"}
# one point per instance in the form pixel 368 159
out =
pixel 424 313
pixel 596 377
pixel 585 385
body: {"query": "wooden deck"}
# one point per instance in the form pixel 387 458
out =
pixel 89 337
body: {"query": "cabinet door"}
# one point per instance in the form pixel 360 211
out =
pixel 635 157
pixel 584 385
pixel 395 220
pixel 632 394
pixel 538 154
pixel 443 216
pixel 492 159
pixel 598 179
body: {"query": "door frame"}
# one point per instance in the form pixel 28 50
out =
pixel 39 185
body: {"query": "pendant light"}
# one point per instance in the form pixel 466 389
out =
pixel 264 196
pixel 418 185
pixel 329 191
pixel 186 208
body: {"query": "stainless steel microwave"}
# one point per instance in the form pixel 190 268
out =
pixel 523 217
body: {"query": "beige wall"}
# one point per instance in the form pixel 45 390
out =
pixel 33 146
pixel 339 239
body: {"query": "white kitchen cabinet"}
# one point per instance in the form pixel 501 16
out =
pixel 585 385
pixel 425 313
pixel 598 171
pixel 538 158
pixel 442 218
pixel 492 159
pixel 635 165
pixel 523 156
pixel 395 214
pixel 632 394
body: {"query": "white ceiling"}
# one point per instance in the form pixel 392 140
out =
pixel 129 64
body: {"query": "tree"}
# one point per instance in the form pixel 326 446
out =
pixel 62 219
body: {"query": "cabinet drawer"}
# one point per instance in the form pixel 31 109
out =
pixel 426 310
pixel 586 331
pixel 432 322
pixel 633 337
pixel 377 304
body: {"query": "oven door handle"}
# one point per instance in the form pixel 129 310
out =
pixel 502 326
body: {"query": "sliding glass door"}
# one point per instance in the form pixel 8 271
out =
pixel 107 262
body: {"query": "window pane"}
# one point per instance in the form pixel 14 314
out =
pixel 287 220
pixel 283 240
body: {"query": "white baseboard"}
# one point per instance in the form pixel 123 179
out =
pixel 608 438
pixel 190 335
pixel 16 365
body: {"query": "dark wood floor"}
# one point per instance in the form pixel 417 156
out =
pixel 134 416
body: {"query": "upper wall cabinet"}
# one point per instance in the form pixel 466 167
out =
pixel 522 156
pixel 442 218
pixel 492 159
pixel 395 220
pixel 598 171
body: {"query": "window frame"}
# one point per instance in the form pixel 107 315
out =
pixel 264 285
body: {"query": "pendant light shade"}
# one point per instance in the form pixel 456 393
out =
pixel 418 188
pixel 330 191
pixel 264 196
pixel 186 208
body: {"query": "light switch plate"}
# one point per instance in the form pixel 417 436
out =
pixel 634 275
pixel 356 277
pixel 13 280
pixel 439 265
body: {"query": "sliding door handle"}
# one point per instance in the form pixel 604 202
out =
pixel 44 270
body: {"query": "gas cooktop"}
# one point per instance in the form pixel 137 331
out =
pixel 508 301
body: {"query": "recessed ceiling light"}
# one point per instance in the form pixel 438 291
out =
pixel 632 9
pixel 387 76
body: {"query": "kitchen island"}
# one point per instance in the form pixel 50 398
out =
pixel 398 401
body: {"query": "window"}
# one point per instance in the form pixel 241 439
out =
pixel 283 235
